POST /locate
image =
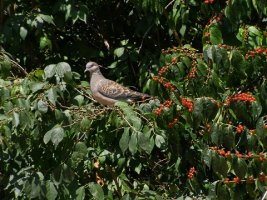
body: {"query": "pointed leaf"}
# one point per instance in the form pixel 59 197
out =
pixel 124 141
pixel 47 137
pixel 16 120
pixel 50 71
pixel 80 193
pixel 42 106
pixel 57 135
pixel 119 51
pixel 51 192
pixel 133 143
pixel 62 68
pixel 240 167
pixel 23 32
pixel 96 191
pixel 215 35
pixel 52 95
pixel 159 141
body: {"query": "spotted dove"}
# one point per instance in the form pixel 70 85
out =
pixel 108 92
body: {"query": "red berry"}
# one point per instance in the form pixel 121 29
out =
pixel 236 180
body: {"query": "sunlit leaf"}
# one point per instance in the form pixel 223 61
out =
pixel 23 32
pixel 42 106
pixel 51 192
pixel 96 191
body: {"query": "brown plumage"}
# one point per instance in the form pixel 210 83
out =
pixel 108 92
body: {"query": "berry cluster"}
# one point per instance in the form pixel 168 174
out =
pixel 187 103
pixel 251 179
pixel 193 73
pixel 262 177
pixel 163 70
pixel 167 85
pixel 257 51
pixel 208 1
pixel 177 49
pixel 173 122
pixel 260 156
pixel 222 152
pixel 240 97
pixel 191 172
pixel 216 18
pixel 167 103
pixel 174 61
pixel 239 128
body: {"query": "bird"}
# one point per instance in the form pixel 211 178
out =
pixel 108 92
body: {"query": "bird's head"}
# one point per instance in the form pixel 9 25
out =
pixel 91 67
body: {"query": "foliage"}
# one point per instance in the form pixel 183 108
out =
pixel 203 136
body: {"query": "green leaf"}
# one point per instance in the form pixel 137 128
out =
pixel 82 13
pixel 222 192
pixel 51 192
pixel 5 66
pixel 133 143
pixel 50 71
pixel 260 130
pixel 52 95
pixel 47 18
pixel 198 111
pixel 56 135
pixel 79 99
pixel 42 106
pixel 119 51
pixel 228 137
pixel 215 35
pixel 159 141
pixel 144 141
pixel 219 164
pixel 96 191
pixel 206 156
pixel 124 141
pixel 47 137
pixel 130 115
pixel 138 168
pixel 240 167
pixel 16 120
pixel 23 32
pixel 45 42
pixel 216 134
pixel 62 68
pixel 85 124
pixel 81 148
pixel 80 193
pixel 35 87
pixel 256 110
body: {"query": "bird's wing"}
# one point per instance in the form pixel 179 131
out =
pixel 113 90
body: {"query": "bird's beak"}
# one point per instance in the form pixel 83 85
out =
pixel 86 70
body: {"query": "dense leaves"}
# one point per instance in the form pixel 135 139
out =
pixel 202 136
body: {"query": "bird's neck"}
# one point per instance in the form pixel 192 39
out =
pixel 97 73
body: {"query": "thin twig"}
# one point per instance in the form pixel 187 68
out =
pixel 264 195
pixel 166 7
pixel 81 93
pixel 19 67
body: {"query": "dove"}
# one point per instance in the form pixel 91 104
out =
pixel 108 92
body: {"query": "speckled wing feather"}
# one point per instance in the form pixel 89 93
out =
pixel 116 91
